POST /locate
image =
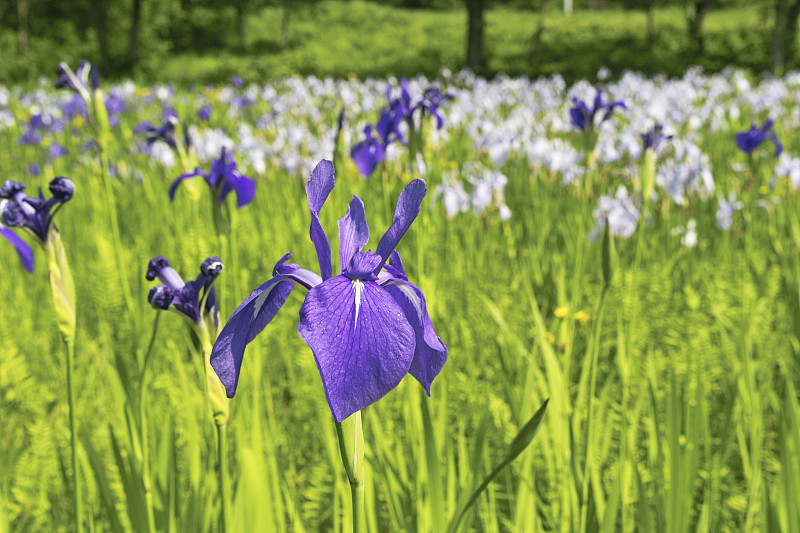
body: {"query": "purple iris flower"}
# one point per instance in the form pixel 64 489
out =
pixel 204 113
pixel 222 179
pixel 165 132
pixel 655 137
pixel 77 81
pixel 367 327
pixel 74 106
pixel 237 81
pixel 193 299
pixel 34 169
pixel 749 140
pixel 30 136
pixel 432 99
pixel 582 116
pixel 369 153
pixel 33 214
pixel 56 151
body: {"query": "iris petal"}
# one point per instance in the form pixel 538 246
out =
pixel 404 214
pixel 367 155
pixel 188 175
pixel 245 323
pixel 353 232
pixel 430 353
pixel 361 339
pixel 318 188
pixel 23 250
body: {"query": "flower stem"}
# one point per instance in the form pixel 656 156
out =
pixel 146 480
pixel 351 445
pixel 222 456
pixel 77 503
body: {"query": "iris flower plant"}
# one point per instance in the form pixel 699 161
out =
pixel 371 151
pixel 749 140
pixel 367 327
pixel 196 301
pixel 582 116
pixel 35 216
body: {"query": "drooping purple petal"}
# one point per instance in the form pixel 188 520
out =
pixel 319 186
pixel 244 187
pixel 778 146
pixel 406 211
pixel 430 353
pixel 361 340
pixel 367 155
pixel 304 277
pixel 188 175
pixel 353 232
pixel 245 323
pixel 23 250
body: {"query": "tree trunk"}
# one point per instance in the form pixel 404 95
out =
pixel 286 19
pixel 695 17
pixel 475 36
pixel 651 22
pixel 136 12
pixel 22 35
pixel 791 34
pixel 778 55
pixel 101 26
pixel 240 23
pixel 540 27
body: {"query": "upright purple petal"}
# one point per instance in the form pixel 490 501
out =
pixel 361 340
pixel 430 353
pixel 318 188
pixel 406 211
pixel 353 232
pixel 23 250
pixel 245 323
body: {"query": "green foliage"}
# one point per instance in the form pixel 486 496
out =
pixel 201 43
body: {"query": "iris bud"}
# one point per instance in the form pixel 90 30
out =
pixel 161 297
pixel 155 266
pixel 62 188
pixel 211 267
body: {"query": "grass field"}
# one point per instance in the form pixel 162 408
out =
pixel 672 384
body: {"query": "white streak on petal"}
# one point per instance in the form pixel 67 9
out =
pixel 358 286
pixel 262 298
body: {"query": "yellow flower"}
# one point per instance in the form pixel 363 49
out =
pixel 562 311
pixel 581 316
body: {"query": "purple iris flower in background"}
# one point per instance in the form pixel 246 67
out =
pixel 204 113
pixel 370 152
pixel 582 116
pixel 222 179
pixel 31 137
pixel 193 299
pixel 432 99
pixel 655 137
pixel 56 151
pixel 367 327
pixel 237 81
pixel 35 215
pixel 165 132
pixel 749 140
pixel 77 81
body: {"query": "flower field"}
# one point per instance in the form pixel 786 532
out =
pixel 626 249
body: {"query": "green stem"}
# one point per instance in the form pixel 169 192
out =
pixel 146 481
pixel 351 445
pixel 222 456
pixel 76 500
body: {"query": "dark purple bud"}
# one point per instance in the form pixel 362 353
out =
pixel 155 266
pixel 12 215
pixel 204 113
pixel 62 188
pixel 161 297
pixel 11 188
pixel 211 267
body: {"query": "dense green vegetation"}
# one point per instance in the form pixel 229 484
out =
pixel 368 39
pixel 672 382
